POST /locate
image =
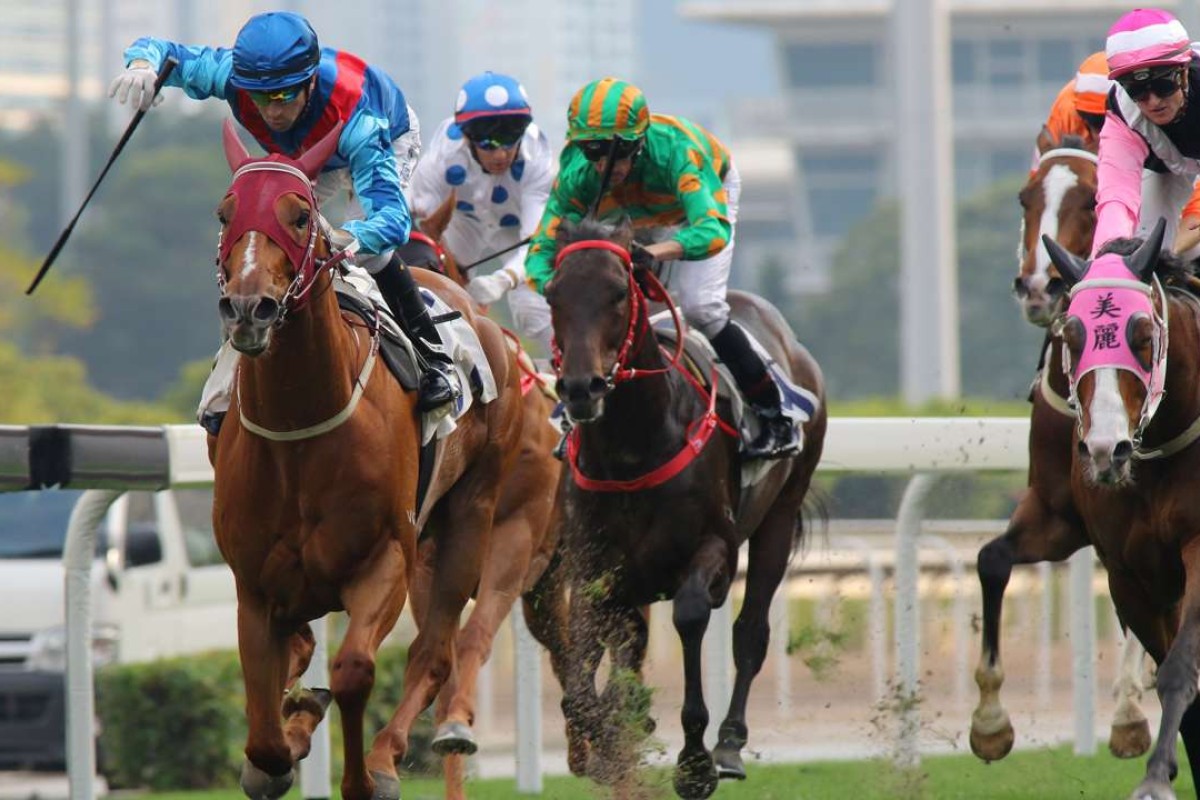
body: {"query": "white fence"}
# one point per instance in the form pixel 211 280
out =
pixel 921 447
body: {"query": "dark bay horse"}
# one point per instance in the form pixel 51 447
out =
pixel 520 561
pixel 316 467
pixel 654 508
pixel 1133 351
pixel 1058 201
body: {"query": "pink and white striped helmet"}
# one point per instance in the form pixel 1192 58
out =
pixel 1144 38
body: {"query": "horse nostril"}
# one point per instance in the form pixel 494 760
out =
pixel 225 309
pixel 1122 452
pixel 597 386
pixel 1082 447
pixel 1019 287
pixel 266 310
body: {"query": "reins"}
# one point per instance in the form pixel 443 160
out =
pixel 699 431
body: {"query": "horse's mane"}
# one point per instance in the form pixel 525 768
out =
pixel 586 229
pixel 1072 141
pixel 1170 268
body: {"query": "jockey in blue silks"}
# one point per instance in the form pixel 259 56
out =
pixel 289 92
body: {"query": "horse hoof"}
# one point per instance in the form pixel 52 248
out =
pixel 994 744
pixel 312 701
pixel 387 787
pixel 1130 740
pixel 1153 790
pixel 454 738
pixel 695 775
pixel 258 785
pixel 729 763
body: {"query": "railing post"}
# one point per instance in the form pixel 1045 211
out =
pixel 78 556
pixel 528 679
pixel 316 771
pixel 908 616
pixel 1083 650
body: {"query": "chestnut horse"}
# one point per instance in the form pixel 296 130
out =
pixel 316 476
pixel 1059 202
pixel 655 507
pixel 1133 354
pixel 521 556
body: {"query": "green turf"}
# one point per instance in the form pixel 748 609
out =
pixel 1025 775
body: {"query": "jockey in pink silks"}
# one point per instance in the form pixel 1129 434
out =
pixel 1150 142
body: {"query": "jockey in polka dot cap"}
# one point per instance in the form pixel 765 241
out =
pixel 667 172
pixel 1150 143
pixel 288 92
pixel 500 167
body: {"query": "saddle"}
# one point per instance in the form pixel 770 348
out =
pixel 699 358
pixel 395 348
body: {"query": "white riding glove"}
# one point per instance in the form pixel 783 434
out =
pixel 487 289
pixel 136 84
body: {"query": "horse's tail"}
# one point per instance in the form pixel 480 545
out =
pixel 814 508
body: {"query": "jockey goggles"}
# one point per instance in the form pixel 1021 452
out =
pixel 597 149
pixel 503 133
pixel 1140 84
pixel 285 95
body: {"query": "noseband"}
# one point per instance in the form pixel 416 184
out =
pixel 257 186
pixel 639 326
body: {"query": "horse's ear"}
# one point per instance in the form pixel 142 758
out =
pixel 315 157
pixel 1145 258
pixel 435 224
pixel 623 233
pixel 235 152
pixel 1070 266
pixel 1045 140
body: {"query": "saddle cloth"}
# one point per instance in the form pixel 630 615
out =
pixel 470 364
pixel 797 403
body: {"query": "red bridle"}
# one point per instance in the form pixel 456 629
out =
pixel 258 185
pixel 639 325
pixel 436 247
pixel 699 431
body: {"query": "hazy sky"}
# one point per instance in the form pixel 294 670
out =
pixel 694 69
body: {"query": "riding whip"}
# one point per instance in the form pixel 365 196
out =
pixel 464 267
pixel 608 170
pixel 165 72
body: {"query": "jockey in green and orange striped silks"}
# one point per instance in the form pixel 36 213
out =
pixel 666 171
pixel 669 171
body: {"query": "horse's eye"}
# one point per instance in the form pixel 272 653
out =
pixel 221 219
pixel 302 219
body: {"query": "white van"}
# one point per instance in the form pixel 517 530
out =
pixel 160 589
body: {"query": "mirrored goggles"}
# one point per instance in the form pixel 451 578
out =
pixel 284 95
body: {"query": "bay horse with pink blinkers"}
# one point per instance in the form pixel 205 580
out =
pixel 1133 355
pixel 1058 202
pixel 316 474
pixel 654 507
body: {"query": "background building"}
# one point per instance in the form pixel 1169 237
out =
pixel 835 111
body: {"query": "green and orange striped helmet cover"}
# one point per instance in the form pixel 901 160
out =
pixel 606 108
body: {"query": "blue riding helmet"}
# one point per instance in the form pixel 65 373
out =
pixel 274 51
pixel 491 95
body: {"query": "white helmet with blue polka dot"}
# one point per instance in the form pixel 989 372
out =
pixel 493 109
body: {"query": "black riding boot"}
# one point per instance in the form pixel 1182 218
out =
pixel 777 437
pixel 400 291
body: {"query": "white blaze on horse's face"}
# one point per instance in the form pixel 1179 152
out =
pixel 1037 303
pixel 249 262
pixel 1107 438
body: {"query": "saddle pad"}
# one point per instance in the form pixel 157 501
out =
pixel 797 403
pixel 470 365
